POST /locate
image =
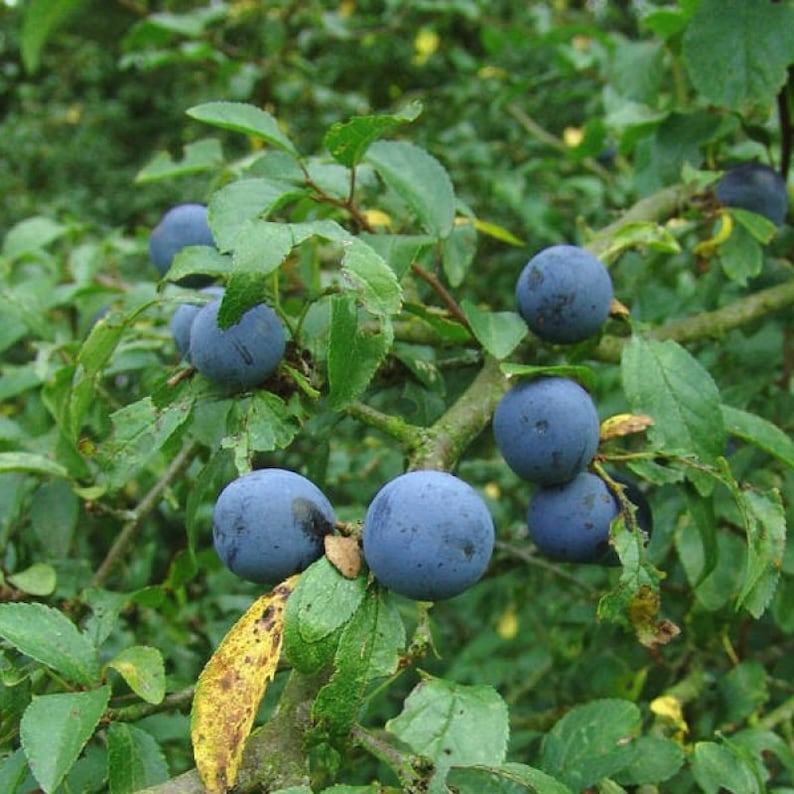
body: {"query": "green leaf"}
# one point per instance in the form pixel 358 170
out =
pixel 663 380
pixel 457 253
pixel 13 771
pixel 766 544
pixel 373 280
pixel 656 759
pixel 743 690
pixel 399 250
pixel 503 779
pixel 716 767
pixel 106 606
pixel 638 234
pixel 143 669
pixel 348 141
pixel 135 760
pixel 140 430
pixel 321 605
pixel 54 515
pixel 737 53
pixel 262 422
pixel 55 728
pixel 337 704
pixel 31 235
pixel 354 352
pixel 38 579
pixel 451 723
pixel 499 333
pixel 46 635
pixel 741 256
pixel 92 358
pixel 592 741
pixel 29 461
pixel 203 155
pixel 201 260
pixel 235 205
pixel 245 118
pixel 42 18
pixel 761 228
pixel 759 432
pixel 419 180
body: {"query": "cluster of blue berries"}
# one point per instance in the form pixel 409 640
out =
pixel 238 357
pixel 427 535
pixel 547 429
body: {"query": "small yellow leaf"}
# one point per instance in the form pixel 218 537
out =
pixel 669 707
pixel 497 232
pixel 707 248
pixel 624 425
pixel 425 44
pixel 507 627
pixel 231 686
pixel 573 136
pixel 378 218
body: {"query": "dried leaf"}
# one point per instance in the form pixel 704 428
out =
pixel 344 554
pixel 232 685
pixel 624 425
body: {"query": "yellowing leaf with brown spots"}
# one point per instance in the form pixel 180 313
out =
pixel 231 686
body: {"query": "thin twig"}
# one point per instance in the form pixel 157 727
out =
pixel 444 294
pixel 146 505
pixel 538 562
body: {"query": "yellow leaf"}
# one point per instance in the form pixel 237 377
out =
pixel 377 218
pixel 624 425
pixel 232 685
pixel 491 229
pixel 573 136
pixel 507 627
pixel 669 707
pixel 707 248
pixel 425 44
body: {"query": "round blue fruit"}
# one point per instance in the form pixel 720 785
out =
pixel 427 535
pixel 182 225
pixel 547 429
pixel 182 320
pixel 269 524
pixel 570 522
pixel 564 294
pixel 755 187
pixel 244 354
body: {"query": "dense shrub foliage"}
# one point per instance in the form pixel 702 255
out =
pixel 444 586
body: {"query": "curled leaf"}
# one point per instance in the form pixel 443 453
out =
pixel 624 425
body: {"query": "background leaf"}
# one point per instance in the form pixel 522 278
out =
pixel 54 730
pixel 348 141
pixel 419 179
pixel 135 760
pixel 245 118
pixel 143 669
pixel 452 724
pixel 592 741
pixel 49 637
pixel 354 352
pixel 737 53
